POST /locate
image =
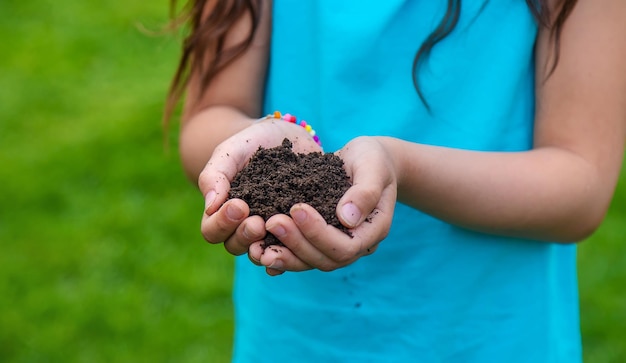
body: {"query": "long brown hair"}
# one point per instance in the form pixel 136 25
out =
pixel 209 33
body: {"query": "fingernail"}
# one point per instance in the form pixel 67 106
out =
pixel 351 214
pixel 234 213
pixel 246 232
pixel 277 264
pixel 208 200
pixel 298 215
pixel 249 234
pixel 277 230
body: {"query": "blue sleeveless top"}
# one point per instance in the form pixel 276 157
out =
pixel 432 292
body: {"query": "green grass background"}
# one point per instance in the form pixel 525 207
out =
pixel 101 259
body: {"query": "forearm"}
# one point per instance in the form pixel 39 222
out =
pixel 546 194
pixel 226 103
pixel 204 131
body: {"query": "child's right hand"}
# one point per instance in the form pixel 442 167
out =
pixel 228 221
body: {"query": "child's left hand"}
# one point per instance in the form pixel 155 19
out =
pixel 366 208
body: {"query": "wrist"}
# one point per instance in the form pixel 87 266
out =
pixel 293 120
pixel 396 157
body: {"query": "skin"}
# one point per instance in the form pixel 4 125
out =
pixel 558 191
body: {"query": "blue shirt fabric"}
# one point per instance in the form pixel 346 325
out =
pixel 432 292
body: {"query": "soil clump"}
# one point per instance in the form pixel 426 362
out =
pixel 277 178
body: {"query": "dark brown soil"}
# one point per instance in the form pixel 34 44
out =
pixel 277 178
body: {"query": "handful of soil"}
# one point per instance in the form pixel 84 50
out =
pixel 277 178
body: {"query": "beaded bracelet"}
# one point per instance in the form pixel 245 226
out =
pixel 291 118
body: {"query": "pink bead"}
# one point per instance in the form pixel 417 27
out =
pixel 303 123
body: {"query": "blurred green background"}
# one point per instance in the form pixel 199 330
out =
pixel 101 259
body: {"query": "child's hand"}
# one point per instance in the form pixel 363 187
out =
pixel 229 221
pixel 367 208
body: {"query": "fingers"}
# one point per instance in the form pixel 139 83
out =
pixel 251 230
pixel 214 180
pixel 284 228
pixel 337 248
pixel 231 225
pixel 276 259
pixel 217 227
pixel 309 243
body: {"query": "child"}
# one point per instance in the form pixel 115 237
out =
pixel 485 136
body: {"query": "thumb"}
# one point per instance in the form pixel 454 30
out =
pixel 366 165
pixel 360 199
pixel 214 180
pixel 214 185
